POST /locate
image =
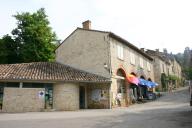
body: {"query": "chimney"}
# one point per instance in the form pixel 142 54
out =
pixel 142 49
pixel 87 24
pixel 165 50
pixel 157 50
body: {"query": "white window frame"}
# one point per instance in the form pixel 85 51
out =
pixel 141 62
pixel 148 66
pixel 132 58
pixel 120 52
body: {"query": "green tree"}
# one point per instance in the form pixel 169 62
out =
pixel 35 36
pixel 3 52
pixel 164 81
pixel 188 73
pixel 9 50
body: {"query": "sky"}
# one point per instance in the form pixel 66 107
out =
pixel 149 24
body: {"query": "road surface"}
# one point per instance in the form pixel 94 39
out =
pixel 169 111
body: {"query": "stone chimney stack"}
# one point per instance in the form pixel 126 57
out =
pixel 165 50
pixel 142 49
pixel 87 24
pixel 157 50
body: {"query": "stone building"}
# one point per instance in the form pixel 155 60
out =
pixel 165 65
pixel 45 86
pixel 106 54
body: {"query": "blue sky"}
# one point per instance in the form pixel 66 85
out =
pixel 150 24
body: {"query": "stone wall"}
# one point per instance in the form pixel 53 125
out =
pixel 117 63
pixel 22 100
pixel 127 66
pixel 66 96
pixel 101 100
pixel 85 50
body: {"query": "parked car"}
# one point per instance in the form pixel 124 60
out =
pixel 151 96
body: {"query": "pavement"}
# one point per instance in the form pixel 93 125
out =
pixel 172 110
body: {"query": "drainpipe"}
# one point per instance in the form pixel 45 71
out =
pixel 110 70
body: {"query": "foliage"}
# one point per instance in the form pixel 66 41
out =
pixel 3 52
pixel 164 81
pixel 9 50
pixel 188 72
pixel 185 60
pixel 172 77
pixel 35 36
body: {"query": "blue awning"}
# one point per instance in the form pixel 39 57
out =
pixel 147 83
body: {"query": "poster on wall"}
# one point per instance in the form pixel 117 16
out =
pixel 96 95
pixel 103 94
pixel 41 94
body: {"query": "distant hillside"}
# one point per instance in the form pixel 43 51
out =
pixel 185 59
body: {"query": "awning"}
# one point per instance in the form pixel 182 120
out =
pixel 147 83
pixel 132 79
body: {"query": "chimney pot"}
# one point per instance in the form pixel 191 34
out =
pixel 87 24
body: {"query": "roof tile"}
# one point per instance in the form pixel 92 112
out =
pixel 46 71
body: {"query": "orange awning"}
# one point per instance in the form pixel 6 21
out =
pixel 132 79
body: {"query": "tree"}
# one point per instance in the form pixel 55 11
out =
pixel 35 36
pixel 9 50
pixel 3 52
pixel 164 81
pixel 186 57
pixel 188 73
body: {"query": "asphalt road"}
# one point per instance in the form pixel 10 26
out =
pixel 170 111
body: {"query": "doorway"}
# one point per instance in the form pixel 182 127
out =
pixel 1 97
pixel 121 89
pixel 82 97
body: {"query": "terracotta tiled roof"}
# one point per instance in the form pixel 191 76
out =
pixel 46 71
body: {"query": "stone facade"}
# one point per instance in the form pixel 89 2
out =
pixel 23 100
pixel 126 65
pixel 97 52
pixel 165 63
pixel 102 100
pixel 66 96
pixel 86 50
pixel 160 67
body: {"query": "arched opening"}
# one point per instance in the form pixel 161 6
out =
pixel 143 89
pixel 121 97
pixel 132 73
pixel 134 90
pixel 142 77
pixel 152 89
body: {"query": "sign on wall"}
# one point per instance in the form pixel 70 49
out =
pixel 41 94
pixel 96 94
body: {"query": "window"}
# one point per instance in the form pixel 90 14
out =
pixel 120 52
pixel 163 67
pixel 132 56
pixel 141 62
pixel 148 66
